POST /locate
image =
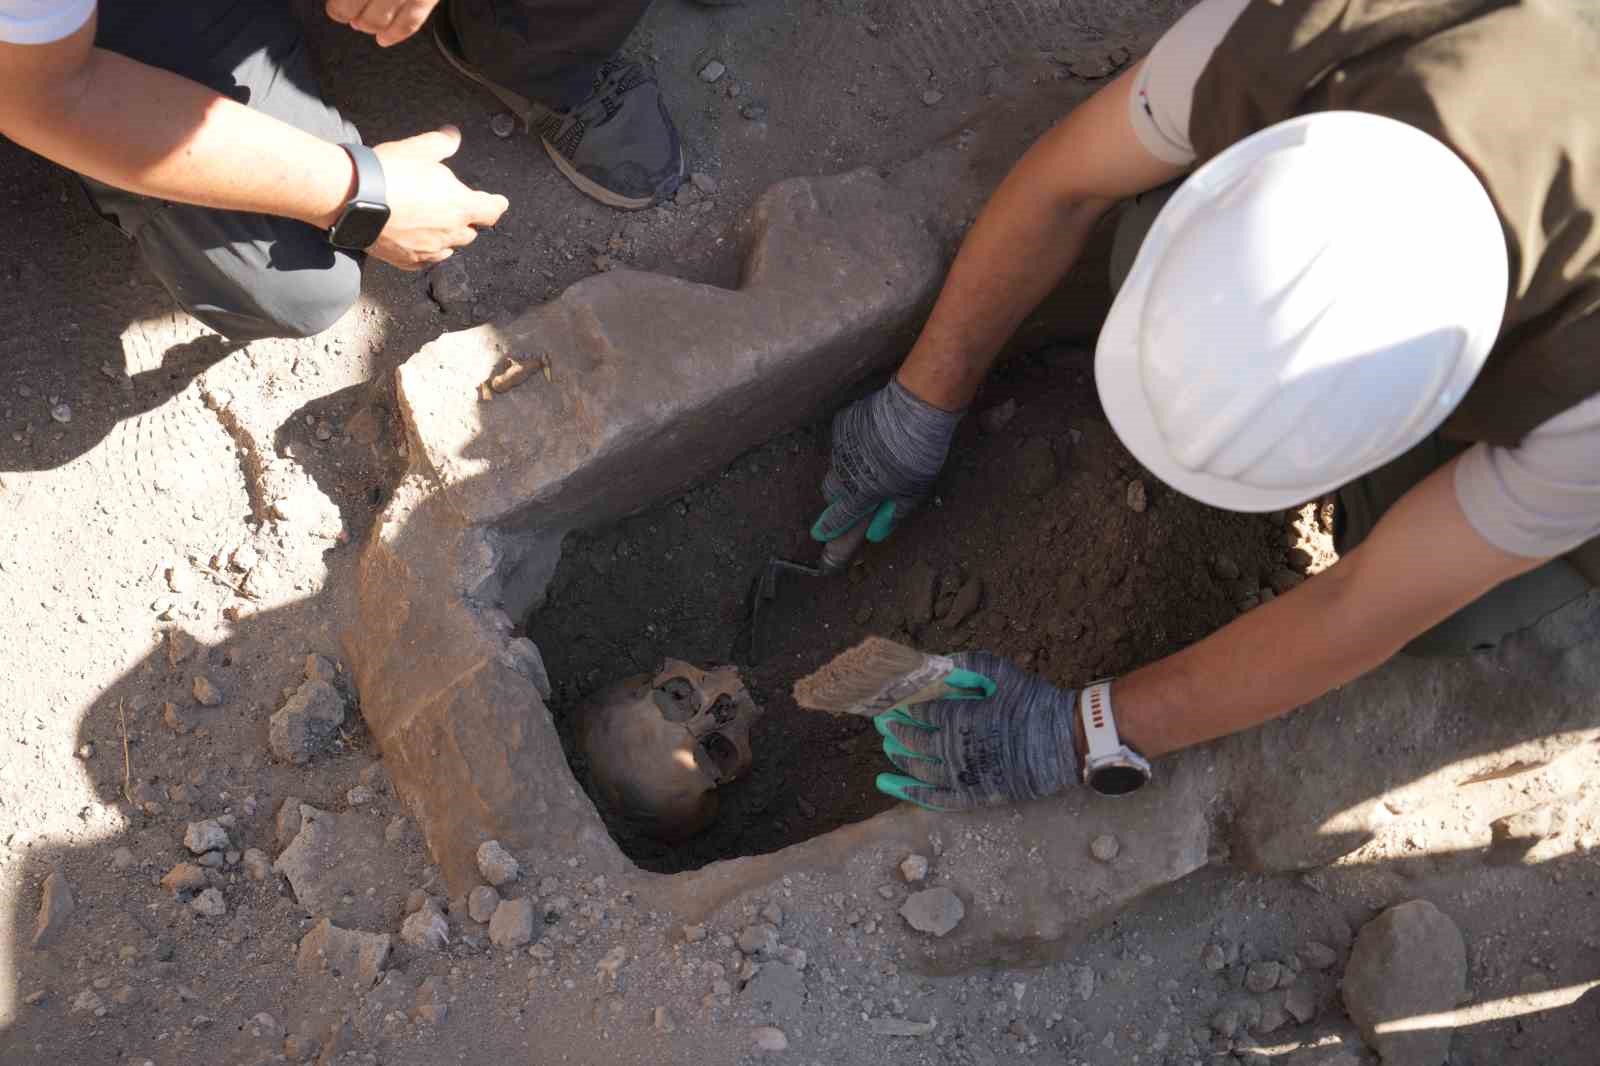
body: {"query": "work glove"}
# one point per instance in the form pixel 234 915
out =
pixel 887 450
pixel 962 753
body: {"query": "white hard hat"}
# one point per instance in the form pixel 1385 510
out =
pixel 1308 305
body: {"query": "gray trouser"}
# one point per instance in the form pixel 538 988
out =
pixel 1513 605
pixel 251 276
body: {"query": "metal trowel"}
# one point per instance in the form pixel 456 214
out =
pixel 834 560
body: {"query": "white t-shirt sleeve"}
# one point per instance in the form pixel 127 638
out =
pixel 42 21
pixel 1541 498
pixel 1163 92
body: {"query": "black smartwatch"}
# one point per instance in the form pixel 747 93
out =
pixel 367 212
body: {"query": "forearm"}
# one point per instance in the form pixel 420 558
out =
pixel 1422 563
pixel 1023 244
pixel 153 132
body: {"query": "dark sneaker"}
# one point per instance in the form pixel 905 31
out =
pixel 619 146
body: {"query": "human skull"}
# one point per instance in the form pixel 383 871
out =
pixel 658 745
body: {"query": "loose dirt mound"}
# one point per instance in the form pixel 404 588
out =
pixel 1032 548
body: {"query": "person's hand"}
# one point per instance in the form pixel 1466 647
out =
pixel 888 449
pixel 958 754
pixel 431 213
pixel 390 21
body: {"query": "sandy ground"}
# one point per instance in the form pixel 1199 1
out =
pixel 140 459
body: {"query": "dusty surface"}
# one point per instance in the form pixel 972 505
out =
pixel 272 459
pixel 1030 548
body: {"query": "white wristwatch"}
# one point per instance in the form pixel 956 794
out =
pixel 1110 767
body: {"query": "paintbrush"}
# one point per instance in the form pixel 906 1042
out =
pixel 878 675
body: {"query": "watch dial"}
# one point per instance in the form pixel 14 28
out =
pixel 1117 780
pixel 360 225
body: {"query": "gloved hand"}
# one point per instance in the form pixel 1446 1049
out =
pixel 1016 745
pixel 887 451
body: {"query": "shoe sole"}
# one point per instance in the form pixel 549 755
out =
pixel 525 109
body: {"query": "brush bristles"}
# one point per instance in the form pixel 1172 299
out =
pixel 869 678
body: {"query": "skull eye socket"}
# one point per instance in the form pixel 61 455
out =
pixel 722 755
pixel 677 699
pixel 722 710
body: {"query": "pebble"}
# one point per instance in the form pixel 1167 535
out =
pixel 55 906
pixel 932 97
pixel 998 417
pixel 503 124
pixel 754 111
pixel 761 939
pixel 209 904
pixel 34 998
pixel 121 859
pixel 1225 568
pixel 61 412
pixel 1273 1017
pixel 177 719
pixel 694 934
pixel 1317 956
pixel 933 910
pixel 257 866
pixel 713 71
pixel 184 879
pixel 704 182
pixel 481 903
pixel 769 1038
pixel 205 693
pixel 449 285
pixel 1262 976
pixel 205 836
pixel 497 865
pixel 87 1000
pixel 914 868
pixel 1105 847
pixel 772 914
pixel 512 924
pixel 425 928
pixel 1138 497
pixel 306 723
pixel 1213 958
pixel 360 796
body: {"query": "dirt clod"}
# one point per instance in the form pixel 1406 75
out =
pixel 1138 497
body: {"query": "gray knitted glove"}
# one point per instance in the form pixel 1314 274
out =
pixel 1016 745
pixel 887 450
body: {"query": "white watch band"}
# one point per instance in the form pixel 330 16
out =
pixel 1099 724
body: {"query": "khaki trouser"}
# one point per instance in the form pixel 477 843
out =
pixel 1513 605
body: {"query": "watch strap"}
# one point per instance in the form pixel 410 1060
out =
pixel 1099 724
pixel 371 187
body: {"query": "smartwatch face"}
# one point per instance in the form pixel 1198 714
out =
pixel 1117 780
pixel 359 226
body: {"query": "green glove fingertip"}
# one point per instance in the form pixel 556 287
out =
pixel 883 522
pixel 899 786
pixel 899 716
pixel 893 746
pixel 972 685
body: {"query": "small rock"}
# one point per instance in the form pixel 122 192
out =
pixel 611 964
pixel 1273 1017
pixel 481 903
pixel 1225 568
pixel 425 928
pixel 705 183
pixel 1138 498
pixel 998 417
pixel 1213 958
pixel 497 865
pixel 1262 976
pixel 288 821
pixel 914 868
pixel 360 796
pixel 966 603
pixel 34 998
pixel 932 97
pixel 512 924
pixel 55 906
pixel 1300 1000
pixel 343 952
pixel 1105 847
pixel 184 880
pixel 760 939
pixel 257 866
pixel 693 934
pixel 933 910
pixel 768 1037
pixel 503 124
pixel 754 111
pixel 86 1000
pixel 211 860
pixel 1317 956
pixel 180 646
pixel 307 722
pixel 901 1027
pixel 205 836
pixel 209 904
pixel 205 693
pixel 713 71
pixel 179 720
pixel 1408 962
pixel 61 412
pixel 449 285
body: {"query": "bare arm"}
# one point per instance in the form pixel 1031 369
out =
pixel 1422 562
pixel 161 135
pixel 1029 235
